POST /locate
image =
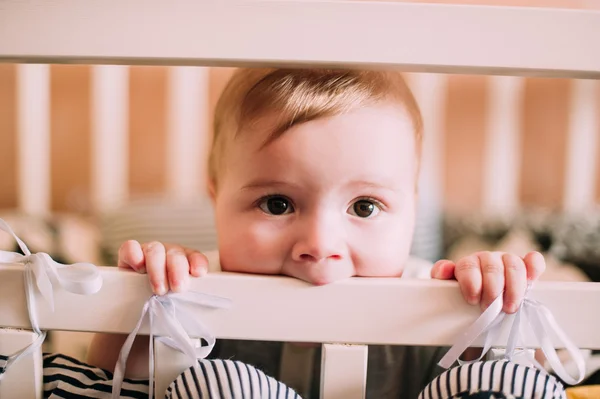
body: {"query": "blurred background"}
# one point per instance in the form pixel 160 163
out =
pixel 91 156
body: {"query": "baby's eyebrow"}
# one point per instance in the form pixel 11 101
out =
pixel 263 183
pixel 373 185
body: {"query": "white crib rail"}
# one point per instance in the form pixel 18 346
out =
pixel 427 37
pixel 417 312
pixel 407 312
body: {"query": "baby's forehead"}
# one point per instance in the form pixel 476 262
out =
pixel 376 153
pixel 285 98
pixel 266 128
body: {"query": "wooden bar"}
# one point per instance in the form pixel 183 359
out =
pixel 33 138
pixel 502 150
pixel 187 121
pixel 344 371
pixel 110 166
pixel 23 378
pixel 582 155
pixel 406 312
pixel 427 37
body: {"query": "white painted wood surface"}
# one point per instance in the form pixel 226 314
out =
pixel 110 135
pixel 24 378
pixel 33 138
pixel 344 371
pixel 502 159
pixel 187 131
pixel 427 37
pixel 430 92
pixel 406 312
pixel 168 365
pixel 582 147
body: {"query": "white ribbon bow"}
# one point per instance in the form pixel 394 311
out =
pixel 164 312
pixel 539 320
pixel 78 278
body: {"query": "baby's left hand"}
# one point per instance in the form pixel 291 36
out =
pixel 484 275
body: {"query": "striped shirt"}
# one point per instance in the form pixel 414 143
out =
pixel 227 379
pixel 494 379
pixel 65 377
pixel 68 378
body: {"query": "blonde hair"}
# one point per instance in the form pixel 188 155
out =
pixel 296 96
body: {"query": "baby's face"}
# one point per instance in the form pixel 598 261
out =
pixel 329 199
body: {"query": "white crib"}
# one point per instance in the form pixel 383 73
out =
pixel 474 39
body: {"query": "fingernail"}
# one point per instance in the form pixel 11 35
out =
pixel 474 300
pixel 160 289
pixel 179 286
pixel 203 271
pixel 510 307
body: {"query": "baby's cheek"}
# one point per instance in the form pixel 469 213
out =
pixel 385 263
pixel 383 254
pixel 247 248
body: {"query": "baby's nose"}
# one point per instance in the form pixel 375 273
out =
pixel 319 242
pixel 317 256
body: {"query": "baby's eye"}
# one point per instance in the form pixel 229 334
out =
pixel 364 208
pixel 276 205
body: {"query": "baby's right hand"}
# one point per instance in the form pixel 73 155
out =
pixel 168 266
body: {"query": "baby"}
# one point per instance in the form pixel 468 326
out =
pixel 313 174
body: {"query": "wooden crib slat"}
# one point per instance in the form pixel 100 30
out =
pixel 430 93
pixel 187 131
pixel 24 378
pixel 584 125
pixel 503 149
pixel 344 371
pixel 34 138
pixel 466 39
pixel 168 365
pixel 406 312
pixel 110 126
